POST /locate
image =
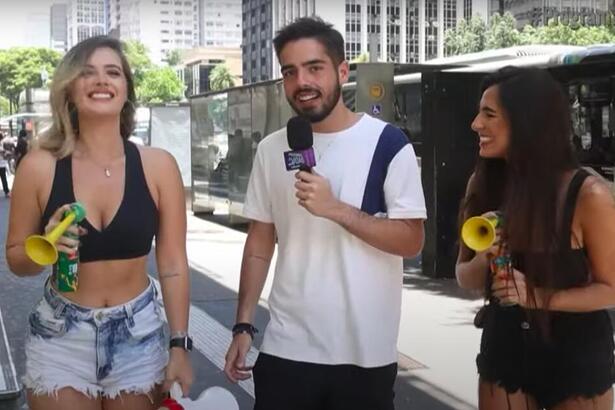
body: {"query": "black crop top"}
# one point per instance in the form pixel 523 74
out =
pixel 130 232
pixel 570 265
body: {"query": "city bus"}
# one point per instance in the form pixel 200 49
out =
pixel 226 127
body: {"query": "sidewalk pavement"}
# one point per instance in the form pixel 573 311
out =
pixel 437 342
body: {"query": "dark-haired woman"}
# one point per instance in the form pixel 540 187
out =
pixel 547 339
pixel 102 346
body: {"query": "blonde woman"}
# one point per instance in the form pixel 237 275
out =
pixel 102 346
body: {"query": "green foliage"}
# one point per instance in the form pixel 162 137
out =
pixel 558 33
pixel 139 61
pixel 502 32
pixel 21 67
pixel 467 37
pixel 160 85
pixel 174 57
pixel 217 110
pixel 221 78
pixel 4 107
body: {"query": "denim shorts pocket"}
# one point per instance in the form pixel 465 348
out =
pixel 145 324
pixel 44 323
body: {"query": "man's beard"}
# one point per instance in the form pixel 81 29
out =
pixel 322 111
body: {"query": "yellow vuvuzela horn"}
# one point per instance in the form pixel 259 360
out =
pixel 478 232
pixel 42 249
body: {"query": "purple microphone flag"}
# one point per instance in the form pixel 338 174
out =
pixel 303 159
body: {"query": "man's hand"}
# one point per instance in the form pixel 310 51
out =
pixel 235 366
pixel 314 194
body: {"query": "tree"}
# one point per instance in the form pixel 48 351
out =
pixel 139 61
pixel 559 33
pixel 220 78
pixel 467 37
pixel 502 32
pixel 217 110
pixel 4 106
pixel 21 68
pixel 160 85
pixel 174 57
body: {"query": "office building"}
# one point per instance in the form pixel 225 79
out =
pixel 161 25
pixel 539 12
pixel 85 19
pixel 220 22
pixel 59 27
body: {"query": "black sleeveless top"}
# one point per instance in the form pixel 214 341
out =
pixel 569 265
pixel 577 357
pixel 130 232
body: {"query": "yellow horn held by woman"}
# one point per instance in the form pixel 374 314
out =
pixel 42 249
pixel 478 232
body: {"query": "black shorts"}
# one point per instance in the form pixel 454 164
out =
pixel 575 361
pixel 282 384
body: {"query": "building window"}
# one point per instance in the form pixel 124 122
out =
pixel 450 15
pixel 467 9
pixel 412 33
pixel 431 29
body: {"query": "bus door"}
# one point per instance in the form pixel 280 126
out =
pixel 449 151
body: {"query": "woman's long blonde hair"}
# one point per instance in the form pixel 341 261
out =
pixel 60 138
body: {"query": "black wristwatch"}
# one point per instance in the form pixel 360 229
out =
pixel 244 328
pixel 185 342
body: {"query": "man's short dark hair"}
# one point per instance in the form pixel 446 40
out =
pixel 316 28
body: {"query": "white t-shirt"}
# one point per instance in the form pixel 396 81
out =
pixel 335 299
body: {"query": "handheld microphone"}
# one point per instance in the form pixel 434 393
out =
pixel 300 140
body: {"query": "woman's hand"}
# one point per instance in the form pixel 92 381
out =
pixel 179 370
pixel 511 289
pixel 65 244
pixel 498 247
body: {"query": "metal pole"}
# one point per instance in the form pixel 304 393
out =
pixel 373 47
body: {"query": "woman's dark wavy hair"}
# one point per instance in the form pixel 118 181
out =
pixel 525 186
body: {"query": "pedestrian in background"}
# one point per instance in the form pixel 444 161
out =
pixel 4 165
pixel 102 346
pixel 22 147
pixel 547 339
pixel 342 231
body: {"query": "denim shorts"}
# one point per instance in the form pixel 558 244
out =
pixel 98 352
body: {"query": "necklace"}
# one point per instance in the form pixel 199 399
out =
pixel 107 168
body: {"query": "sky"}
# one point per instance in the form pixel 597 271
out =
pixel 25 22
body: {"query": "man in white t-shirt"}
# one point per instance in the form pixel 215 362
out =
pixel 342 231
